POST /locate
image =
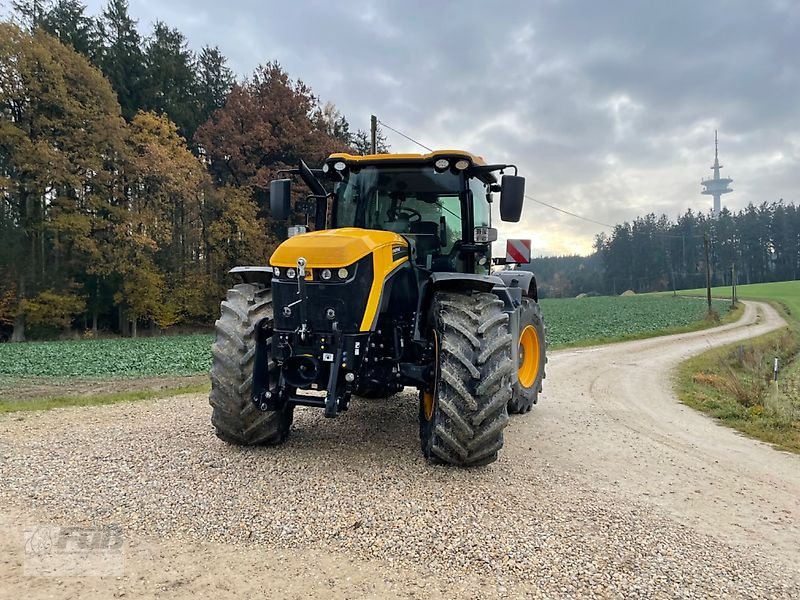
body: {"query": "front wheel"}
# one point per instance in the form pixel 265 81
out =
pixel 235 416
pixel 532 358
pixel 463 414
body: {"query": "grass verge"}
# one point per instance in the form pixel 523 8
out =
pixel 734 384
pixel 37 404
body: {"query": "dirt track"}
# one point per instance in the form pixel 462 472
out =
pixel 628 433
pixel 609 488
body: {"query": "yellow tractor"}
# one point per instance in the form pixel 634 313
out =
pixel 391 288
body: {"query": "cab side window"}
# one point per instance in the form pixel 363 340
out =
pixel 480 206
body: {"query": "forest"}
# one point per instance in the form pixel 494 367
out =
pixel 757 244
pixel 133 170
pixel 133 175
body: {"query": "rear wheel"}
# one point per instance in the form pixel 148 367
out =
pixel 235 417
pixel 463 414
pixel 532 358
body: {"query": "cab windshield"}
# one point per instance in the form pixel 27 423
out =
pixel 403 200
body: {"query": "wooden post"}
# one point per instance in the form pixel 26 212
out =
pixel 708 272
pixel 374 133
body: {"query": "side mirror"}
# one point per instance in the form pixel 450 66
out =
pixel 280 196
pixel 512 194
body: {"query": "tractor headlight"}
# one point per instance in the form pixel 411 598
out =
pixel 441 164
pixel 462 164
pixel 326 274
pixel 343 273
pixel 290 273
pixel 276 271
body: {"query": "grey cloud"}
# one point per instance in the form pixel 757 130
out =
pixel 608 107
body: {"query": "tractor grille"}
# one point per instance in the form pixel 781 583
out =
pixel 347 300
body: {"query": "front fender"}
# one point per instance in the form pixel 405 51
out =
pixel 252 274
pixel 457 282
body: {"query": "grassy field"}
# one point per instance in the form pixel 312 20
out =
pixel 569 322
pixel 141 357
pixel 786 293
pixel 734 384
pixel 39 375
pixel 604 319
pixel 43 375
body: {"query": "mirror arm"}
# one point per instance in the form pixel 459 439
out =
pixel 310 180
pixel 479 169
pixel 309 177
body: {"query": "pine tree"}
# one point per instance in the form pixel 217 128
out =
pixel 66 20
pixel 214 81
pixel 170 85
pixel 29 13
pixel 121 58
pixel 361 142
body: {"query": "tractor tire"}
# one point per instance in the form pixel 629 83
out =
pixel 235 416
pixel 463 414
pixel 532 358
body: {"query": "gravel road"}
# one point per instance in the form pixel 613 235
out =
pixel 608 489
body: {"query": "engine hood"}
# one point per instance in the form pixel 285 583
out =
pixel 334 248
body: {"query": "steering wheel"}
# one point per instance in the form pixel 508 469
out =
pixel 412 215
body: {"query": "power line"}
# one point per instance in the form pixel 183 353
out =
pixel 562 210
pixel 405 136
pixel 566 212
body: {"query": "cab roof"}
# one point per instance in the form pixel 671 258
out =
pixel 407 158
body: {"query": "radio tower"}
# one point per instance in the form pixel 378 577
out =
pixel 716 186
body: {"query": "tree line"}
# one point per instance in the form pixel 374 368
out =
pixel 133 170
pixel 133 174
pixel 756 244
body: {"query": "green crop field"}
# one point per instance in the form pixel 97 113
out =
pixel 575 321
pixel 167 355
pixel 569 322
pixel 785 292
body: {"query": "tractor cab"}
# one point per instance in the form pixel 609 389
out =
pixel 440 202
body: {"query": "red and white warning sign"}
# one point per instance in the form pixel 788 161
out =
pixel 518 251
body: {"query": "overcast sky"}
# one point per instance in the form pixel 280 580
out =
pixel 608 107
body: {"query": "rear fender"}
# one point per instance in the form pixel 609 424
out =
pixel 521 279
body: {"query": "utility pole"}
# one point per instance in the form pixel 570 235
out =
pixel 733 285
pixel 708 272
pixel 373 129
